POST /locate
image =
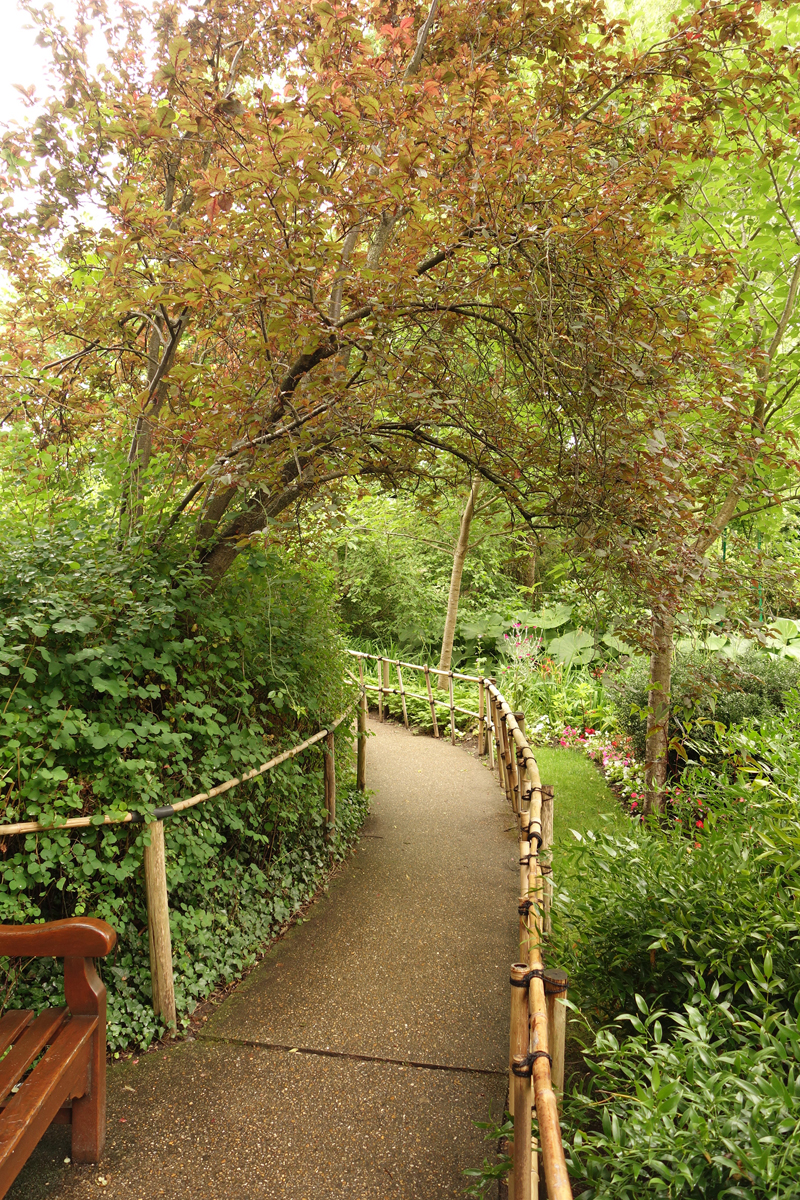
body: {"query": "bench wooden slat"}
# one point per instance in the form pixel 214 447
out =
pixel 38 1035
pixel 82 937
pixel 61 1075
pixel 12 1025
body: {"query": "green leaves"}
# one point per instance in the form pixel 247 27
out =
pixel 161 692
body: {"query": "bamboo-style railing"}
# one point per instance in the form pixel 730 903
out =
pixel 538 1020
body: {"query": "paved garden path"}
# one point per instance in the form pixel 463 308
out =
pixel 354 1061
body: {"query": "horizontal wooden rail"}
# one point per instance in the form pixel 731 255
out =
pixel 398 662
pixel 387 691
pixel 169 810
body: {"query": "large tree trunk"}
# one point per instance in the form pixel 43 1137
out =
pixel 658 712
pixel 460 553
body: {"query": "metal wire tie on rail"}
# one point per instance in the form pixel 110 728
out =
pixel 522 1066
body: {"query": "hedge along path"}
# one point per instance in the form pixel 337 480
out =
pixel 155 865
pixel 538 1020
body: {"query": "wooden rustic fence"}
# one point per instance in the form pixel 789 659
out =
pixel 538 1020
pixel 155 872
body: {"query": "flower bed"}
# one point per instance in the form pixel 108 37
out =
pixel 624 774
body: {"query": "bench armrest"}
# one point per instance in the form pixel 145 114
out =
pixel 77 937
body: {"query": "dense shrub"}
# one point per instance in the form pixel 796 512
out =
pixel 706 686
pixel 707 1113
pixel 682 947
pixel 125 686
pixel 654 910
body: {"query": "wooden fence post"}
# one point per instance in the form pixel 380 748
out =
pixel 361 749
pixel 452 711
pixel 520 1089
pixel 522 783
pixel 383 681
pixel 498 739
pixel 556 984
pixel 481 710
pixel 402 695
pixel 330 787
pixel 546 854
pixel 490 730
pixel 155 883
pixel 431 701
pixel 510 763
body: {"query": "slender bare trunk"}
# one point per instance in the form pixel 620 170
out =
pixel 460 553
pixel 658 712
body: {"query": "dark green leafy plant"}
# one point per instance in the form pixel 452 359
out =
pixel 682 947
pixel 652 910
pixel 710 1112
pixel 126 686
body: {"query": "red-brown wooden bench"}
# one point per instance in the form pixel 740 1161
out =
pixel 73 1067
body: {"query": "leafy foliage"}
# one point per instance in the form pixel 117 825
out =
pixel 706 1113
pixel 686 940
pixel 126 686
pixel 706 687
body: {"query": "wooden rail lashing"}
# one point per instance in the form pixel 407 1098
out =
pixel 556 984
pixel 330 786
pixel 160 938
pixel 361 750
pixel 452 709
pixel 431 701
pixel 402 695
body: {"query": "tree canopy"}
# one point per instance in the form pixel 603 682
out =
pixel 257 252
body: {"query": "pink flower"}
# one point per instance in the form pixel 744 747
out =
pixel 634 803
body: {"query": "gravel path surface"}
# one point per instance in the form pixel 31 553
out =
pixel 354 1060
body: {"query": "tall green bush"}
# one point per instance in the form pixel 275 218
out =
pixel 125 687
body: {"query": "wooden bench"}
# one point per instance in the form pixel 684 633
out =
pixel 73 1068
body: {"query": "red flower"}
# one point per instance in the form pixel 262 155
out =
pixel 699 824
